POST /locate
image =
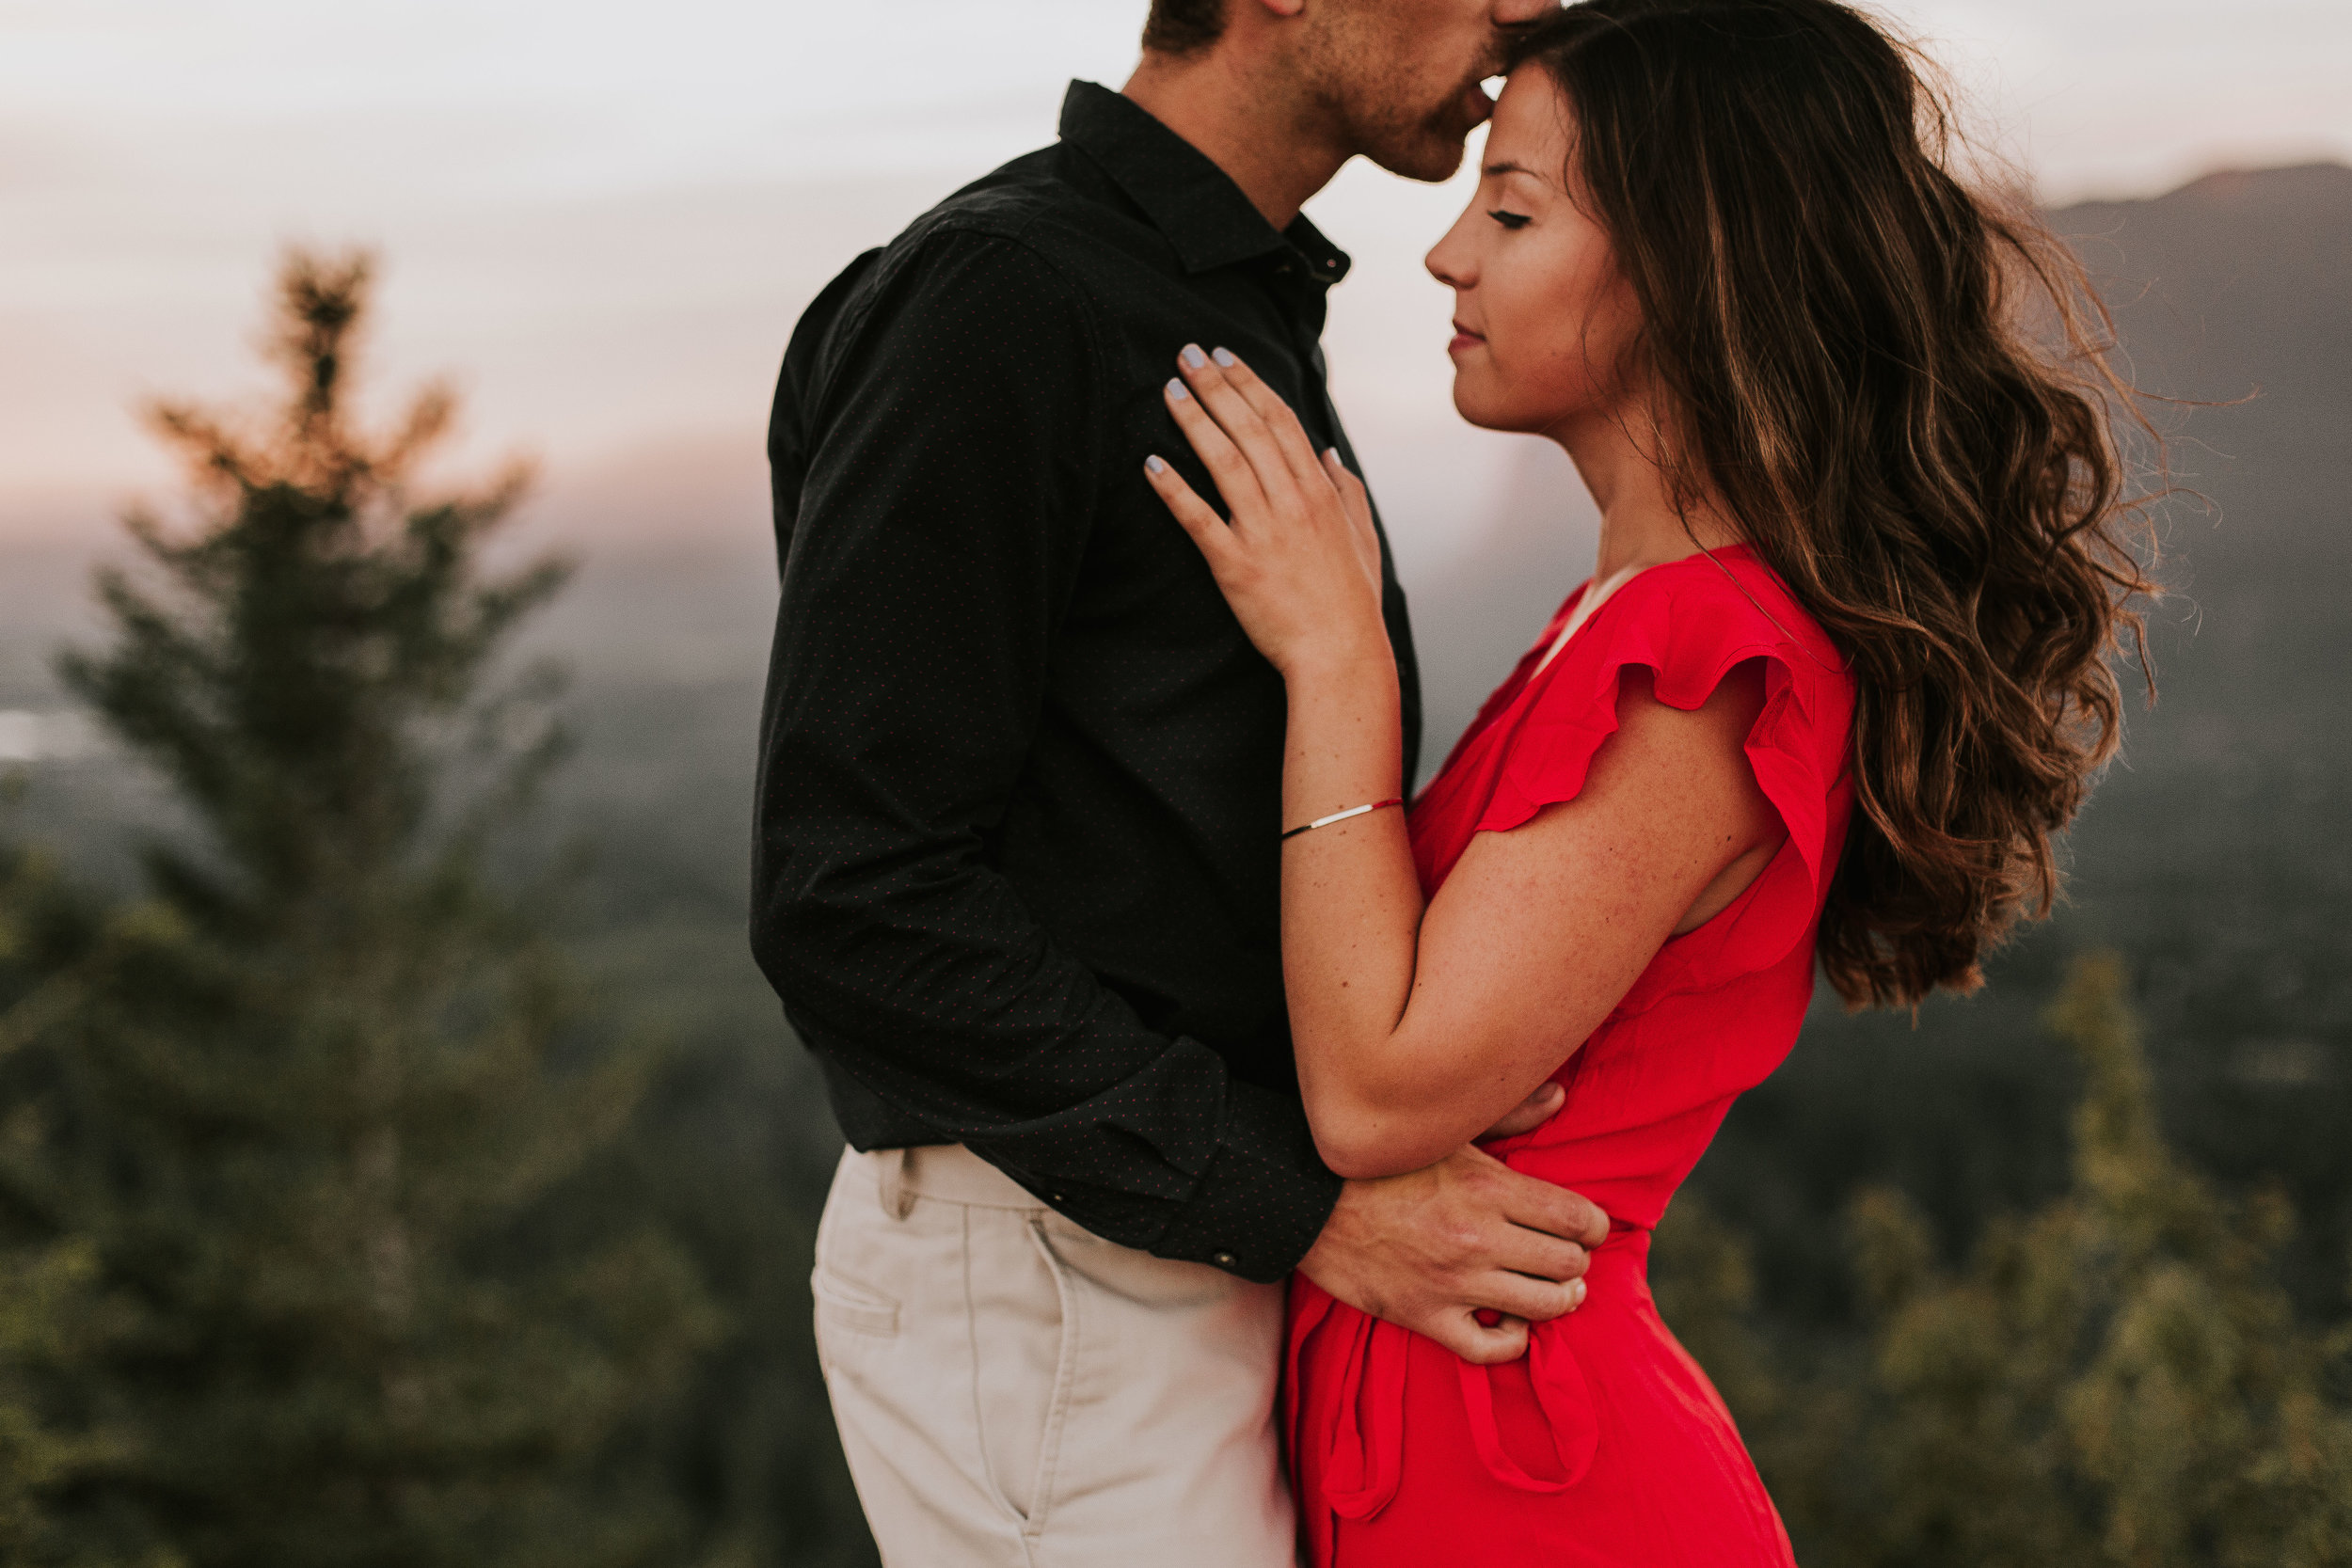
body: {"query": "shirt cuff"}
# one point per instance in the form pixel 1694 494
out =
pixel 1265 1196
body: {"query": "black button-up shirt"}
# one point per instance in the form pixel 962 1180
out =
pixel 1016 860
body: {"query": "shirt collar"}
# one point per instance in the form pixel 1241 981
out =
pixel 1191 200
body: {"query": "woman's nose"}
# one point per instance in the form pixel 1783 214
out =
pixel 1447 264
pixel 1454 260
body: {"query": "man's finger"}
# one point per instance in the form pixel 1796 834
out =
pixel 1474 1342
pixel 1517 1296
pixel 1540 1206
pixel 1540 1254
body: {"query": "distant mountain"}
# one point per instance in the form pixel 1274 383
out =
pixel 2236 291
pixel 2236 282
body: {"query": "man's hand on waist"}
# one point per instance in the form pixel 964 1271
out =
pixel 1428 1249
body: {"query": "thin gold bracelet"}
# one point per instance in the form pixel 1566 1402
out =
pixel 1342 816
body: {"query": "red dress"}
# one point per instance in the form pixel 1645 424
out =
pixel 1605 1443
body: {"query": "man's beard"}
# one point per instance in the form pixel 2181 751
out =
pixel 1429 146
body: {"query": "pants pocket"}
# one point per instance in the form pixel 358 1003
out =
pixel 847 1308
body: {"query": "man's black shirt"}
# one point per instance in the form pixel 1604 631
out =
pixel 1016 871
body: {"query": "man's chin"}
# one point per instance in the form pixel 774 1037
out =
pixel 1432 156
pixel 1431 149
pixel 1429 168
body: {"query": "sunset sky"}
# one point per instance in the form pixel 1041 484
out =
pixel 604 216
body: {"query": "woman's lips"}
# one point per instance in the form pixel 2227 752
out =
pixel 1464 340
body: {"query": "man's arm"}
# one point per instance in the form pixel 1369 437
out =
pixel 950 448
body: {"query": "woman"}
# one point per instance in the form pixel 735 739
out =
pixel 1839 673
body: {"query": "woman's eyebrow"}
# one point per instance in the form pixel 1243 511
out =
pixel 1506 166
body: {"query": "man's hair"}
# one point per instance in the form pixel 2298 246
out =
pixel 1183 27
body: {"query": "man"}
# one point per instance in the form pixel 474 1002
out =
pixel 1017 844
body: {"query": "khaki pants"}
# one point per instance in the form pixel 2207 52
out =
pixel 1014 1390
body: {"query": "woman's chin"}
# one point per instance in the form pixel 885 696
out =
pixel 1482 411
pixel 1466 400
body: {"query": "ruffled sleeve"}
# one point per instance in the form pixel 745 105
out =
pixel 1691 624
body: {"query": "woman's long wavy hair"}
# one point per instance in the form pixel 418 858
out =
pixel 1901 389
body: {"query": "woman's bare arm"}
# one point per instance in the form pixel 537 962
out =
pixel 1416 1029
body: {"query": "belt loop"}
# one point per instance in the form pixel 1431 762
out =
pixel 891 1185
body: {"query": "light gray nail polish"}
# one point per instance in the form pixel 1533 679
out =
pixel 1225 356
pixel 1193 357
pixel 1176 390
pixel 1153 464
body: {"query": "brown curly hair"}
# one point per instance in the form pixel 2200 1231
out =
pixel 1902 387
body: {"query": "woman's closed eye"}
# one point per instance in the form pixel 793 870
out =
pixel 1508 219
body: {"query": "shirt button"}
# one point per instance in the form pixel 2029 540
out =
pixel 1057 1198
pixel 1222 1259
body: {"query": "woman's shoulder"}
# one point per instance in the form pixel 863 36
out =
pixel 1690 622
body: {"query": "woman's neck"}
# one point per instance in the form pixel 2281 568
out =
pixel 1641 524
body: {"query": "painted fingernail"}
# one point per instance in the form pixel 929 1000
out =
pixel 1193 357
pixel 1576 1295
pixel 1176 390
pixel 1224 357
pixel 1153 466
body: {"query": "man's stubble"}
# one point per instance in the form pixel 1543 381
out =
pixel 1368 77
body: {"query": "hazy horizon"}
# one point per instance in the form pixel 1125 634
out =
pixel 604 227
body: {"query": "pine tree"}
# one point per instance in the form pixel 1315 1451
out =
pixel 45 1295
pixel 47 1308
pixel 2118 1378
pixel 325 1108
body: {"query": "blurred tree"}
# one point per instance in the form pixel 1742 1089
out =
pixel 323 1108
pixel 47 1307
pixel 1798 1428
pixel 35 1460
pixel 2118 1378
